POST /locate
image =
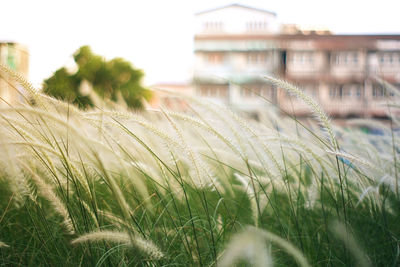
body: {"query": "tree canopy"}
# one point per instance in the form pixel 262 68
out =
pixel 111 79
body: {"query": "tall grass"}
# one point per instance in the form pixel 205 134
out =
pixel 117 188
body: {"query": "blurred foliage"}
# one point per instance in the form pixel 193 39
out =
pixel 115 79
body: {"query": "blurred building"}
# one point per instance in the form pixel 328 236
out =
pixel 16 57
pixel 236 45
pixel 171 95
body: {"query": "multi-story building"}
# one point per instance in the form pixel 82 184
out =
pixel 16 57
pixel 235 46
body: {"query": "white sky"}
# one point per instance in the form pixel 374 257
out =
pixel 157 36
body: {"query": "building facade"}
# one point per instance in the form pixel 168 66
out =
pixel 235 46
pixel 16 57
pixel 169 95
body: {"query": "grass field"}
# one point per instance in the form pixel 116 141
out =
pixel 110 187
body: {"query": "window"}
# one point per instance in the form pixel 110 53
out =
pixel 311 90
pixel 302 57
pixel 335 92
pixel 379 91
pixel 213 25
pixel 246 92
pixel 215 91
pixel 358 92
pixel 308 89
pixel 267 92
pixel 204 91
pixel 346 91
pixel 355 57
pixel 389 58
pixel 256 26
pixel 346 58
pixel 215 58
pixel 310 57
pixel 221 91
pixel 257 91
pixel 257 58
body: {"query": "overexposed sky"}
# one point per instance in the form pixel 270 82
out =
pixel 157 36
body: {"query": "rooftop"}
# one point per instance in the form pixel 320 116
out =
pixel 236 5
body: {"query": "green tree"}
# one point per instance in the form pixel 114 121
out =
pixel 111 79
